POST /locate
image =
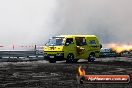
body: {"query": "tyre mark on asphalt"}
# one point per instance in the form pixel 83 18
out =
pixel 121 70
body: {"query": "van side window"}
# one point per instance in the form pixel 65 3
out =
pixel 92 42
pixel 80 41
pixel 69 40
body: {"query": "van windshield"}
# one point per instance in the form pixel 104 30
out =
pixel 55 41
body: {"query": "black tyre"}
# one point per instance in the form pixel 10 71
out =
pixel 91 57
pixel 70 58
pixel 52 61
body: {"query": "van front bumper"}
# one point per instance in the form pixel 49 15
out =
pixel 57 57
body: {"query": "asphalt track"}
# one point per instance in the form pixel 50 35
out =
pixel 37 74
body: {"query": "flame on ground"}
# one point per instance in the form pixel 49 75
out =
pixel 81 71
pixel 120 47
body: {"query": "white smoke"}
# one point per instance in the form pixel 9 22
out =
pixel 34 21
pixel 26 21
pixel 110 20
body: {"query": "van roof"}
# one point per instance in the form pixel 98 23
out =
pixel 76 36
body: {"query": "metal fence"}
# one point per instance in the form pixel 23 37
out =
pixel 22 55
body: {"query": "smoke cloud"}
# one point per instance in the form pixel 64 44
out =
pixel 34 21
pixel 26 22
pixel 110 20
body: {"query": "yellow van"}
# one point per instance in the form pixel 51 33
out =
pixel 71 48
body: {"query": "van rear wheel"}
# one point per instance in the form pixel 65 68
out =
pixel 70 58
pixel 91 57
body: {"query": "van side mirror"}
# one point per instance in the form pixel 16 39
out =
pixel 67 44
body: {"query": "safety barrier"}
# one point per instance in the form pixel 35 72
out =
pixel 21 51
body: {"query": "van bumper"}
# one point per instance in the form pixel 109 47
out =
pixel 57 57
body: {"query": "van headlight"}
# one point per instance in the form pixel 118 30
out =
pixel 59 54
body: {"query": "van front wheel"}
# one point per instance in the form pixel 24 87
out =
pixel 70 58
pixel 52 61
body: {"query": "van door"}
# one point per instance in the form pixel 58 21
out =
pixel 81 47
pixel 69 47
